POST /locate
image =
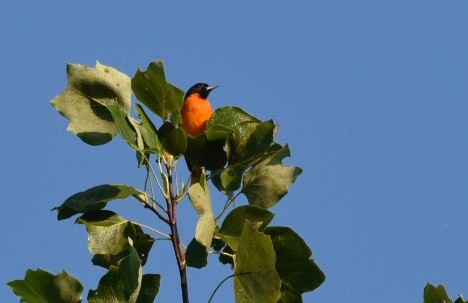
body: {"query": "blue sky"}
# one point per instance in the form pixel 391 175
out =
pixel 371 97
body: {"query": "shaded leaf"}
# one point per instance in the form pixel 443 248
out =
pixel 89 92
pixel 153 90
pixel 203 152
pixel 196 254
pixel 94 198
pixel 224 120
pixel 40 286
pixel 121 283
pixel 109 290
pixel 130 275
pixel 148 131
pixel 125 126
pixel 149 288
pixel 293 264
pixel 173 140
pixel 256 279
pixel 268 181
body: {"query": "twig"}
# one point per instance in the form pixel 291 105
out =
pixel 176 244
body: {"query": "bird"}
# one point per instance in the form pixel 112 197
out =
pixel 196 110
pixel 201 152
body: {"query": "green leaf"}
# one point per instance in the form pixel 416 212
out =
pixel 148 130
pixel 109 290
pixel 289 296
pixel 121 283
pixel 149 288
pixel 130 275
pixel 268 181
pixel 153 90
pixel 94 199
pixel 40 286
pixel 203 152
pixel 224 120
pixel 249 139
pixel 109 234
pixel 256 279
pixel 84 102
pixel 174 140
pixel 438 294
pixel 197 255
pixel 126 126
pixel 229 179
pixel 297 271
pixel 233 225
pixel 106 232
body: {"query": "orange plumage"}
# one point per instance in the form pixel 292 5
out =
pixel 195 113
pixel 196 110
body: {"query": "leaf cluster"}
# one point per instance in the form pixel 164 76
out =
pixel 237 154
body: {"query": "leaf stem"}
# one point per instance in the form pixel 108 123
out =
pixel 166 236
pixel 224 280
pixel 227 204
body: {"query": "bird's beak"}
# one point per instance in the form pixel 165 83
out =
pixel 210 88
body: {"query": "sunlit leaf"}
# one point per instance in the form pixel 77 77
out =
pixel 108 237
pixel 141 241
pixel 289 296
pixel 233 225
pixel 40 286
pixel 224 120
pixel 256 279
pixel 106 231
pixel 94 199
pixel 433 294
pixel 249 139
pixel 229 179
pixel 268 181
pixel 201 200
pixel 89 92
pixel 153 90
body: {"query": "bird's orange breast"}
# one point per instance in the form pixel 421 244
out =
pixel 195 113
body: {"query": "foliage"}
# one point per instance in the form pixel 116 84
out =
pixel 237 152
pixel 433 294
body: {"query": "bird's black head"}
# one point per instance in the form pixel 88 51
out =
pixel 202 89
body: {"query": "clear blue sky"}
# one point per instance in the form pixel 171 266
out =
pixel 371 97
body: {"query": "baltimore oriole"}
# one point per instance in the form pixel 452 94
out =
pixel 195 112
